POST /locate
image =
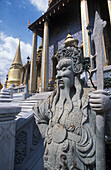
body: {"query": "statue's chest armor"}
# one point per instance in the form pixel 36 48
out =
pixel 73 119
pixel 68 120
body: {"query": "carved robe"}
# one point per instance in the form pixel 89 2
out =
pixel 69 137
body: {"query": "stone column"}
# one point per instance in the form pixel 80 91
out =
pixel 85 22
pixel 33 64
pixel 109 7
pixel 7 135
pixel 45 59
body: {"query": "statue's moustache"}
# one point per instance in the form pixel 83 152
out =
pixel 60 81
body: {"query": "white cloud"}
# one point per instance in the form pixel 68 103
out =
pixel 41 5
pixel 1 21
pixel 8 49
pixel 8 2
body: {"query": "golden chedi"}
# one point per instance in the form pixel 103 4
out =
pixel 14 74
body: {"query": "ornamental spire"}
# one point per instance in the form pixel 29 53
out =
pixel 17 60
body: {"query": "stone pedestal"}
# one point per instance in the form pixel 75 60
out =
pixel 7 135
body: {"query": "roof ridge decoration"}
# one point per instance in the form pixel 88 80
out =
pixel 52 2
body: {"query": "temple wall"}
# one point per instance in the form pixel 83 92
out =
pixel 58 28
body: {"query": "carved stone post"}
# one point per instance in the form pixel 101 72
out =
pixel 109 7
pixel 45 59
pixel 85 22
pixel 7 135
pixel 99 24
pixel 33 64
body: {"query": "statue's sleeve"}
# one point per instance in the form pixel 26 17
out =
pixel 86 147
pixel 41 115
pixel 108 128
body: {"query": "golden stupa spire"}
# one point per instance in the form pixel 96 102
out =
pixel 17 60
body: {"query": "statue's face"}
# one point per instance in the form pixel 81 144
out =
pixel 65 75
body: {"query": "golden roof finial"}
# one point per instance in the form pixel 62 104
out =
pixel 56 47
pixel 68 31
pixel 28 23
pixel 42 12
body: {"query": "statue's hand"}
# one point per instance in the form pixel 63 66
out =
pixel 100 101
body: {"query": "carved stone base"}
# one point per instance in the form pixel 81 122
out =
pixel 8 112
pixel 7 144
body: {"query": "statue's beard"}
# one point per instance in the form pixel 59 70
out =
pixel 66 97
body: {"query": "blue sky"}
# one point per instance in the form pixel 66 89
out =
pixel 14 16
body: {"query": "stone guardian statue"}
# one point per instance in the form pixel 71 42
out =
pixel 66 119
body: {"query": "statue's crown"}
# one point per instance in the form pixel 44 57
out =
pixel 73 52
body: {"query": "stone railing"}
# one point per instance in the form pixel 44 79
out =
pixel 19 93
pixel 20 89
pixel 8 112
pixel 29 143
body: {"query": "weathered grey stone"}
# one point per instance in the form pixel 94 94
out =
pixel 99 24
pixel 11 89
pixel 5 95
pixel 7 144
pixel 66 119
pixel 29 143
pixel 8 112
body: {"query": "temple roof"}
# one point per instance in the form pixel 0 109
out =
pixel 52 11
pixel 52 2
pixel 17 59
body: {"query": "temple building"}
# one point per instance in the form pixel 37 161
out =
pixel 69 22
pixel 25 71
pixel 14 74
pixel 52 27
